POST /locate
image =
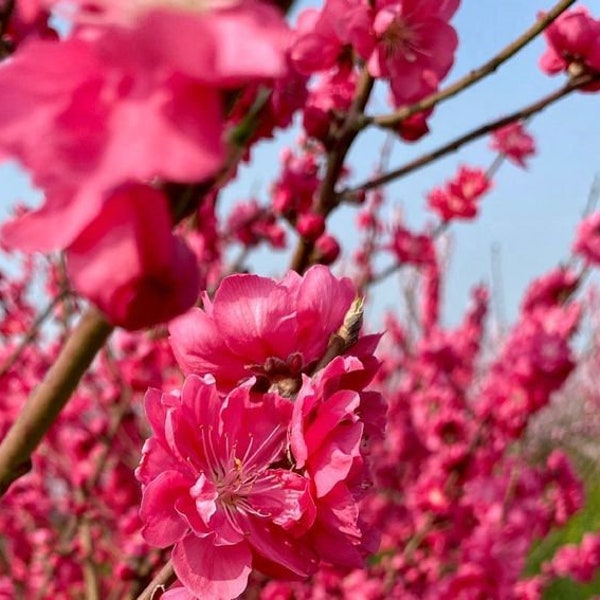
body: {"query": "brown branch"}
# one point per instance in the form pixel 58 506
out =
pixel 471 136
pixel 165 577
pixel 48 399
pixel 327 199
pixel 393 120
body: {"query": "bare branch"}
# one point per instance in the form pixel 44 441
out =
pixel 471 136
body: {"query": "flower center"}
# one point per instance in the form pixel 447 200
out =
pixel 400 39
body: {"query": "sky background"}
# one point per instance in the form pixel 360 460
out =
pixel 529 215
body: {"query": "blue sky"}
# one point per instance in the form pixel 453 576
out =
pixel 530 216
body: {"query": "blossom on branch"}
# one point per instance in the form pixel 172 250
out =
pixel 460 197
pixel 414 45
pixel 513 142
pixel 258 326
pixel 587 242
pixel 573 45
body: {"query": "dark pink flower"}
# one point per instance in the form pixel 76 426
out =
pixel 128 262
pixel 573 44
pixel 256 325
pixel 552 289
pixel 514 143
pixel 414 46
pixel 332 422
pixel 323 39
pixel 460 197
pixel 587 241
pixel 411 248
pixel 327 249
pixel 211 487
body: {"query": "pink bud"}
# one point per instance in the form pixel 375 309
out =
pixel 310 226
pixel 327 249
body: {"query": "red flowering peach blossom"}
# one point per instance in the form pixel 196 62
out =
pixel 459 199
pixel 324 39
pixel 414 45
pixel 550 290
pixel 411 248
pixel 513 142
pixel 136 101
pixel 333 419
pixel 573 43
pixel 587 241
pixel 212 487
pixel 128 262
pixel 258 326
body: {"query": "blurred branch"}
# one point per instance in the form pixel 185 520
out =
pixel 393 120
pixel 471 136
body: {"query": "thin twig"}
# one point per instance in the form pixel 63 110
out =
pixel 393 120
pixel 165 577
pixel 48 399
pixel 30 335
pixel 471 136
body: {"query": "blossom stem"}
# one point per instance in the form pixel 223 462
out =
pixel 471 136
pixel 164 578
pixel 394 119
pixel 48 399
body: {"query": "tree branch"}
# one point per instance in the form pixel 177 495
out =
pixel 165 577
pixel 327 199
pixel 393 120
pixel 471 136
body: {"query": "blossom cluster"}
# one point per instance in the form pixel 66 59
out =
pixel 259 462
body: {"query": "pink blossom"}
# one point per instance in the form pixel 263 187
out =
pixel 580 562
pixel 211 488
pixel 331 416
pixel 332 94
pixel 513 142
pixel 460 197
pixel 250 224
pixel 414 46
pixel 550 290
pixel 587 240
pixel 573 44
pixel 293 192
pixel 310 226
pixel 411 248
pixel 323 38
pixel 113 104
pixel 256 325
pixel 327 249
pixel 157 276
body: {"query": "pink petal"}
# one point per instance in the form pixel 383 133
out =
pixel 163 525
pixel 211 571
